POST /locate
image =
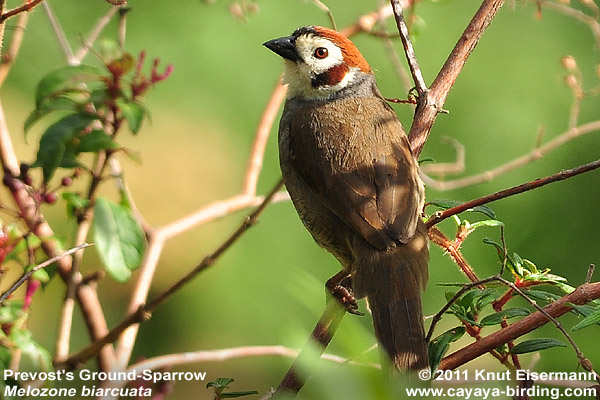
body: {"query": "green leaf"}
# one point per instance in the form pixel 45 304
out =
pixel 134 156
pixel 119 239
pixel 448 203
pixel 53 143
pixel 449 295
pixel 22 245
pixel 37 354
pixel 69 159
pixel 591 319
pixel 74 202
pixel 541 295
pixel 231 395
pixel 486 298
pixel 467 300
pixel 585 309
pixel 497 318
pixel 10 311
pixel 95 141
pixel 65 78
pixel 41 275
pixel 487 222
pixel 440 345
pixel 134 113
pixel 426 160
pixel 56 104
pixel 220 383
pixel 109 50
pixel 514 267
pixel 529 346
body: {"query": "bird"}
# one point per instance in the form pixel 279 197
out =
pixel 354 182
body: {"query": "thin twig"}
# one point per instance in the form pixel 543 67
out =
pixel 59 33
pixel 432 103
pixel 438 316
pixel 583 294
pixel 535 154
pixel 320 337
pixel 122 29
pixel 574 13
pixel 17 10
pixel 438 237
pixel 455 167
pixel 88 42
pixel 8 58
pixel 413 64
pixel 144 311
pixel 582 359
pixel 46 263
pixel 221 355
pixel 327 11
pixel 86 295
pixel 257 154
pixel 590 273
pixel 392 53
pixel 559 176
pixel 84 222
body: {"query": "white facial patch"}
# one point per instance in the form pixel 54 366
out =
pixel 306 46
pixel 299 75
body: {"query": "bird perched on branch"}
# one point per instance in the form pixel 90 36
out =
pixel 354 182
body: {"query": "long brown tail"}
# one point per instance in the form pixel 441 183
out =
pixel 393 280
pixel 399 329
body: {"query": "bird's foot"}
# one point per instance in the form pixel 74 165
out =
pixel 346 298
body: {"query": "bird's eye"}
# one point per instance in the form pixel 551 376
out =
pixel 321 52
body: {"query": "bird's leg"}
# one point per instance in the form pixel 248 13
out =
pixel 340 287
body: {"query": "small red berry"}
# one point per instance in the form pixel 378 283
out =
pixel 50 197
pixel 66 181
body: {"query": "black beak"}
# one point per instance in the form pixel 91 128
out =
pixel 284 46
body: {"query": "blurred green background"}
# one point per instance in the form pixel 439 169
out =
pixel 268 288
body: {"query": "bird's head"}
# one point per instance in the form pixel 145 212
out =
pixel 319 62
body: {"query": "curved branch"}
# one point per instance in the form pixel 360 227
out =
pixel 18 10
pixel 559 176
pixel 583 294
pixel 144 311
pixel 533 155
pixel 86 295
pixel 431 104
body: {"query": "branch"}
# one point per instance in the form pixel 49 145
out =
pixel 535 154
pixel 18 10
pixel 86 295
pixel 28 274
pixel 559 176
pixel 260 140
pixel 13 49
pixel 220 355
pixel 59 33
pixel 408 49
pixel 583 294
pixel 431 104
pixel 585 363
pixel 144 311
pixel 320 337
pixel 88 42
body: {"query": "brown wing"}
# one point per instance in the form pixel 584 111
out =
pixel 375 190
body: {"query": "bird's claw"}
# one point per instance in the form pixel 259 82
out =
pixel 346 298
